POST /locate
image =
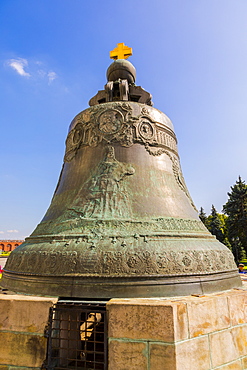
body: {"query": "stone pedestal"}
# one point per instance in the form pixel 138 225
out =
pixel 186 333
pixel 183 333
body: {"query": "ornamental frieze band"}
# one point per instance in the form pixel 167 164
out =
pixel 118 227
pixel 118 124
pixel 121 263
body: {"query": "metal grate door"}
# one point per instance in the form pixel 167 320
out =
pixel 77 336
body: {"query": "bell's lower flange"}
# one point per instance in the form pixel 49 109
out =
pixel 108 287
pixel 161 266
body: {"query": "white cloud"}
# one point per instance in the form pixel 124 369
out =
pixel 51 76
pixel 12 231
pixel 1 232
pixel 38 70
pixel 18 65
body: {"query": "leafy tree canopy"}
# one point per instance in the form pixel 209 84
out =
pixel 230 227
pixel 215 225
pixel 236 209
pixel 203 216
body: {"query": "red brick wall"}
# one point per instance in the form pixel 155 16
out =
pixel 9 245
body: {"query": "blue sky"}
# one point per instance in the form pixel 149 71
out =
pixel 191 55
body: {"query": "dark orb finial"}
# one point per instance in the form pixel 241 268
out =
pixel 121 69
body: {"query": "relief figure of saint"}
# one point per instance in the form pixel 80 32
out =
pixel 108 195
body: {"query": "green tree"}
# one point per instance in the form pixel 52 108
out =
pixel 223 218
pixel 215 225
pixel 203 216
pixel 236 209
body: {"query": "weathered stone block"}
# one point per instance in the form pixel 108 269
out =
pixel 22 349
pixel 207 314
pixel 223 347
pixel 237 300
pixel 239 334
pixel 193 354
pixel 236 365
pixel 244 363
pixel 128 355
pixel 148 319
pixel 162 356
pixel 24 314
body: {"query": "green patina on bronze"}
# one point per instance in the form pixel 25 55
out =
pixel 107 192
pixel 121 222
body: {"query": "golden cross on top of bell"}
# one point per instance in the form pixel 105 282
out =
pixel 121 222
pixel 121 52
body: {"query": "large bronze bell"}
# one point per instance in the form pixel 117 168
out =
pixel 121 222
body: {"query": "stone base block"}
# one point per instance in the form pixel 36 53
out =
pixel 184 333
pixel 22 325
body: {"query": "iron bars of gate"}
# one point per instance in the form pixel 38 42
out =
pixel 77 336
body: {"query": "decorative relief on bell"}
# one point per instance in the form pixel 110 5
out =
pixel 117 123
pixel 134 261
pixel 146 130
pixel 73 222
pixel 151 263
pixel 180 179
pixel 108 194
pixel 110 121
